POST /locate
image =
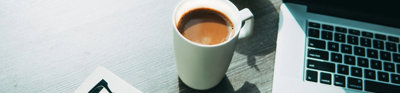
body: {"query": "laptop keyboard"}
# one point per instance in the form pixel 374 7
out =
pixel 350 58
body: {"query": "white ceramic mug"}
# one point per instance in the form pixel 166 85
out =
pixel 204 66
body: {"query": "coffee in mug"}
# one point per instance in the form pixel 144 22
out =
pixel 205 26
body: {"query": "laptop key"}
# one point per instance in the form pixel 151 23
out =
pixel 380 36
pixel 367 34
pixel 383 76
pixel 354 83
pixel 336 57
pixel 388 66
pixel 332 46
pixel 345 48
pixel 378 44
pixel 339 80
pixel 354 32
pixel 312 76
pixel 316 43
pixel 351 60
pixel 326 35
pixel 391 46
pixel 313 32
pixel 385 56
pixel 355 71
pixel 319 54
pixel 352 40
pixel 395 78
pixel 372 53
pixel 369 74
pixel 398 68
pixel 365 42
pixel 359 51
pixel 327 27
pixel 340 37
pixel 378 87
pixel 396 57
pixel 343 69
pixel 376 64
pixel 325 78
pixel 314 24
pixel 325 66
pixel 363 62
pixel 340 29
pixel 393 39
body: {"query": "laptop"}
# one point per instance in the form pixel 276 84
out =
pixel 336 46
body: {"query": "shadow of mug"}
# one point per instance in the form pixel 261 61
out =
pixel 263 39
pixel 224 86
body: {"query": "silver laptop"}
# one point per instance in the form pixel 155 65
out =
pixel 335 46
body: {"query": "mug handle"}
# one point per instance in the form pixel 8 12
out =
pixel 248 18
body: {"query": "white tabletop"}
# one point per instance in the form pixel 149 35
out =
pixel 54 45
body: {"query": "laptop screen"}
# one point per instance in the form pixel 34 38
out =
pixel 383 12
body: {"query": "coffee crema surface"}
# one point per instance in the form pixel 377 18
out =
pixel 205 26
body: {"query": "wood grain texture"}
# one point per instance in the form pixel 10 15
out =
pixel 53 45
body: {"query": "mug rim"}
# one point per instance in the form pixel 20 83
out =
pixel 230 4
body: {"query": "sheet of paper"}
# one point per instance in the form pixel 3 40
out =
pixel 115 84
